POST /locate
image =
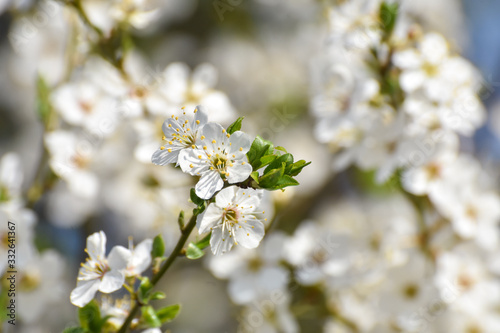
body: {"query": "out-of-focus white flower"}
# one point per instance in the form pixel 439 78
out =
pixel 181 132
pixel 464 281
pixel 70 158
pixel 41 285
pixel 118 311
pixel 465 322
pixel 253 274
pixel 98 272
pixel 234 218
pixel 473 213
pixel 218 157
pixel 181 88
pixel 152 330
pixel 83 104
pixel 11 177
pixel 275 313
pixel 315 253
pixel 23 240
pixel 138 258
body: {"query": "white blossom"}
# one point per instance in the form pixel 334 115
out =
pixel 218 157
pixel 234 219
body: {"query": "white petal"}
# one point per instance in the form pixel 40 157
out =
pixel 214 131
pixel 96 246
pixel 240 142
pixel 411 80
pixel 119 257
pixel 111 281
pixel 164 157
pixel 204 77
pixel 84 292
pixel 141 256
pixel 238 172
pixel 250 234
pixel 201 115
pixel 242 289
pixel 210 218
pixel 190 162
pixel 225 197
pixel 248 199
pixel 209 183
pixel 221 242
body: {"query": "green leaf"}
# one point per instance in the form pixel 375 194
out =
pixel 204 242
pixel 90 317
pixel 265 160
pixel 281 149
pixel 157 295
pixel 285 181
pixel 236 126
pixel 180 219
pixel 44 108
pixel 271 178
pixel 194 252
pixel 195 199
pixel 297 167
pixel 278 162
pixel 255 176
pixel 144 290
pixel 388 15
pixel 158 247
pixel 168 313
pixel 150 317
pixel 74 330
pixel 259 148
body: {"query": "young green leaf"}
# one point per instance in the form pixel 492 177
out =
pixel 271 177
pixel 297 167
pixel 236 126
pixel 157 295
pixel 90 317
pixel 388 15
pixel 149 316
pixel 144 290
pixel 285 158
pixel 74 330
pixel 158 247
pixel 204 242
pixel 180 220
pixel 168 313
pixel 195 199
pixel 194 252
pixel 259 148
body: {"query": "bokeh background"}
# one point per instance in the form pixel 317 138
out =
pixel 261 55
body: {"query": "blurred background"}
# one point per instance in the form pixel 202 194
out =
pixel 250 58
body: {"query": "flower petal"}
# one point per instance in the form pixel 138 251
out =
pixel 111 281
pixel 209 219
pixel 141 256
pixel 96 246
pixel 249 234
pixel 84 292
pixel 240 142
pixel 225 197
pixel 239 172
pixel 119 257
pixel 201 115
pixel 248 199
pixel 220 242
pixel 164 157
pixel 193 161
pixel 209 183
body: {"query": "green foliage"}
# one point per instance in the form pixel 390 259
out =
pixel 90 318
pixel 74 330
pixel 195 199
pixel 195 249
pixel 149 316
pixel 44 109
pixel 158 247
pixel 388 15
pixel 280 167
pixel 236 126
pixel 181 220
pixel 168 313
pixel 144 291
pixel 194 252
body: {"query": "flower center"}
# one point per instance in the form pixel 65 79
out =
pixel 410 291
pixel 29 281
pixel 86 106
pixel 93 270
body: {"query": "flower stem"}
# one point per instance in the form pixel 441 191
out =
pixel 175 253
